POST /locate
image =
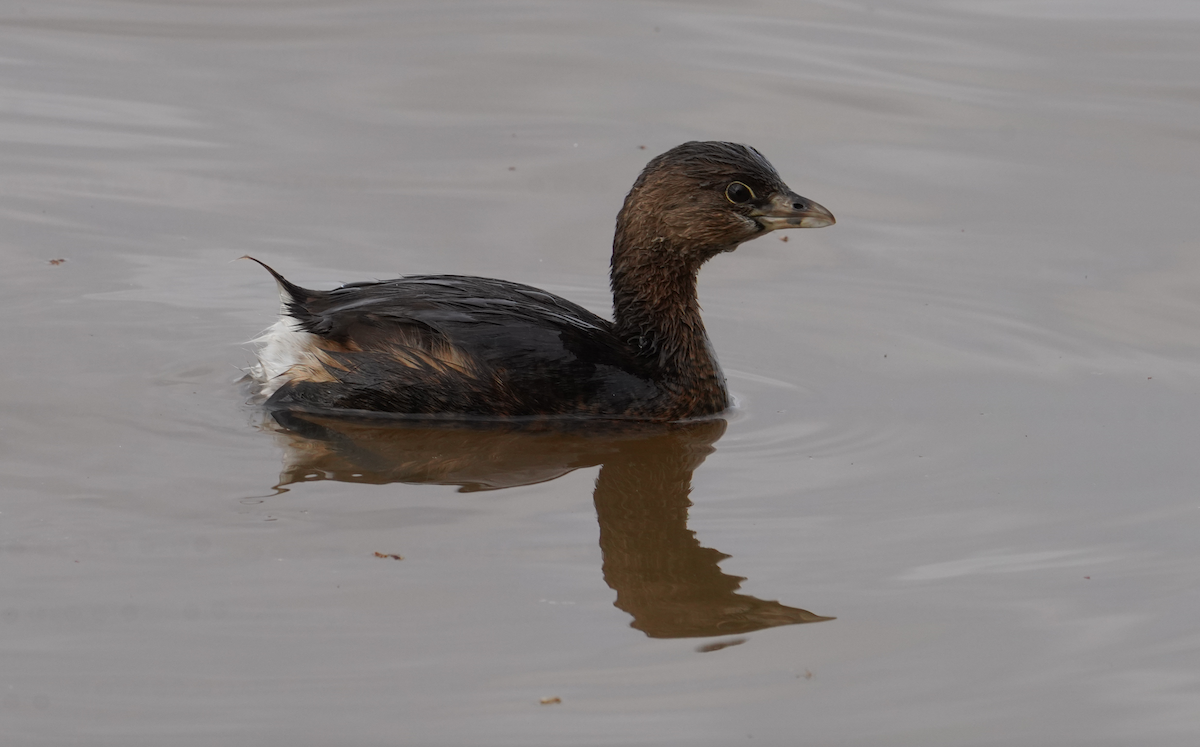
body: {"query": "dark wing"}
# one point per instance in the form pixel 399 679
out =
pixel 466 345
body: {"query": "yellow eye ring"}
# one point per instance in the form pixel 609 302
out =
pixel 738 193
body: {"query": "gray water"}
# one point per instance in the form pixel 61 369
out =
pixel 965 413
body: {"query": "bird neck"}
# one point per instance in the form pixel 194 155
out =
pixel 656 312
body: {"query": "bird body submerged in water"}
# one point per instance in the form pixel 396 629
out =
pixel 450 345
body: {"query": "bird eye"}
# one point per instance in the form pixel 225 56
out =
pixel 738 193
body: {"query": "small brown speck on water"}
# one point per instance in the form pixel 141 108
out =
pixel 386 555
pixel 57 261
pixel 641 147
pixel 550 701
pixel 783 238
pixel 706 648
pixel 512 168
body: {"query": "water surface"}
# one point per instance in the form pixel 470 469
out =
pixel 965 413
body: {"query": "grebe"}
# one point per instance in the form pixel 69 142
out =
pixel 451 345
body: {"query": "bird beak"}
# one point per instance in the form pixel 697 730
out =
pixel 790 210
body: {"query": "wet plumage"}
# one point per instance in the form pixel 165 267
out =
pixel 447 345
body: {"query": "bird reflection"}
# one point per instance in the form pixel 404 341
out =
pixel 663 577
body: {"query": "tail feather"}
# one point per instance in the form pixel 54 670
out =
pixel 294 293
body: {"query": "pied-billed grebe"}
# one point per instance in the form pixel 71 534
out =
pixel 450 345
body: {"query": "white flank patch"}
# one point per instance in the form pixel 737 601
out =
pixel 283 346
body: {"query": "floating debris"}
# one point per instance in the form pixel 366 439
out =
pixel 720 645
pixel 386 555
pixel 550 701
